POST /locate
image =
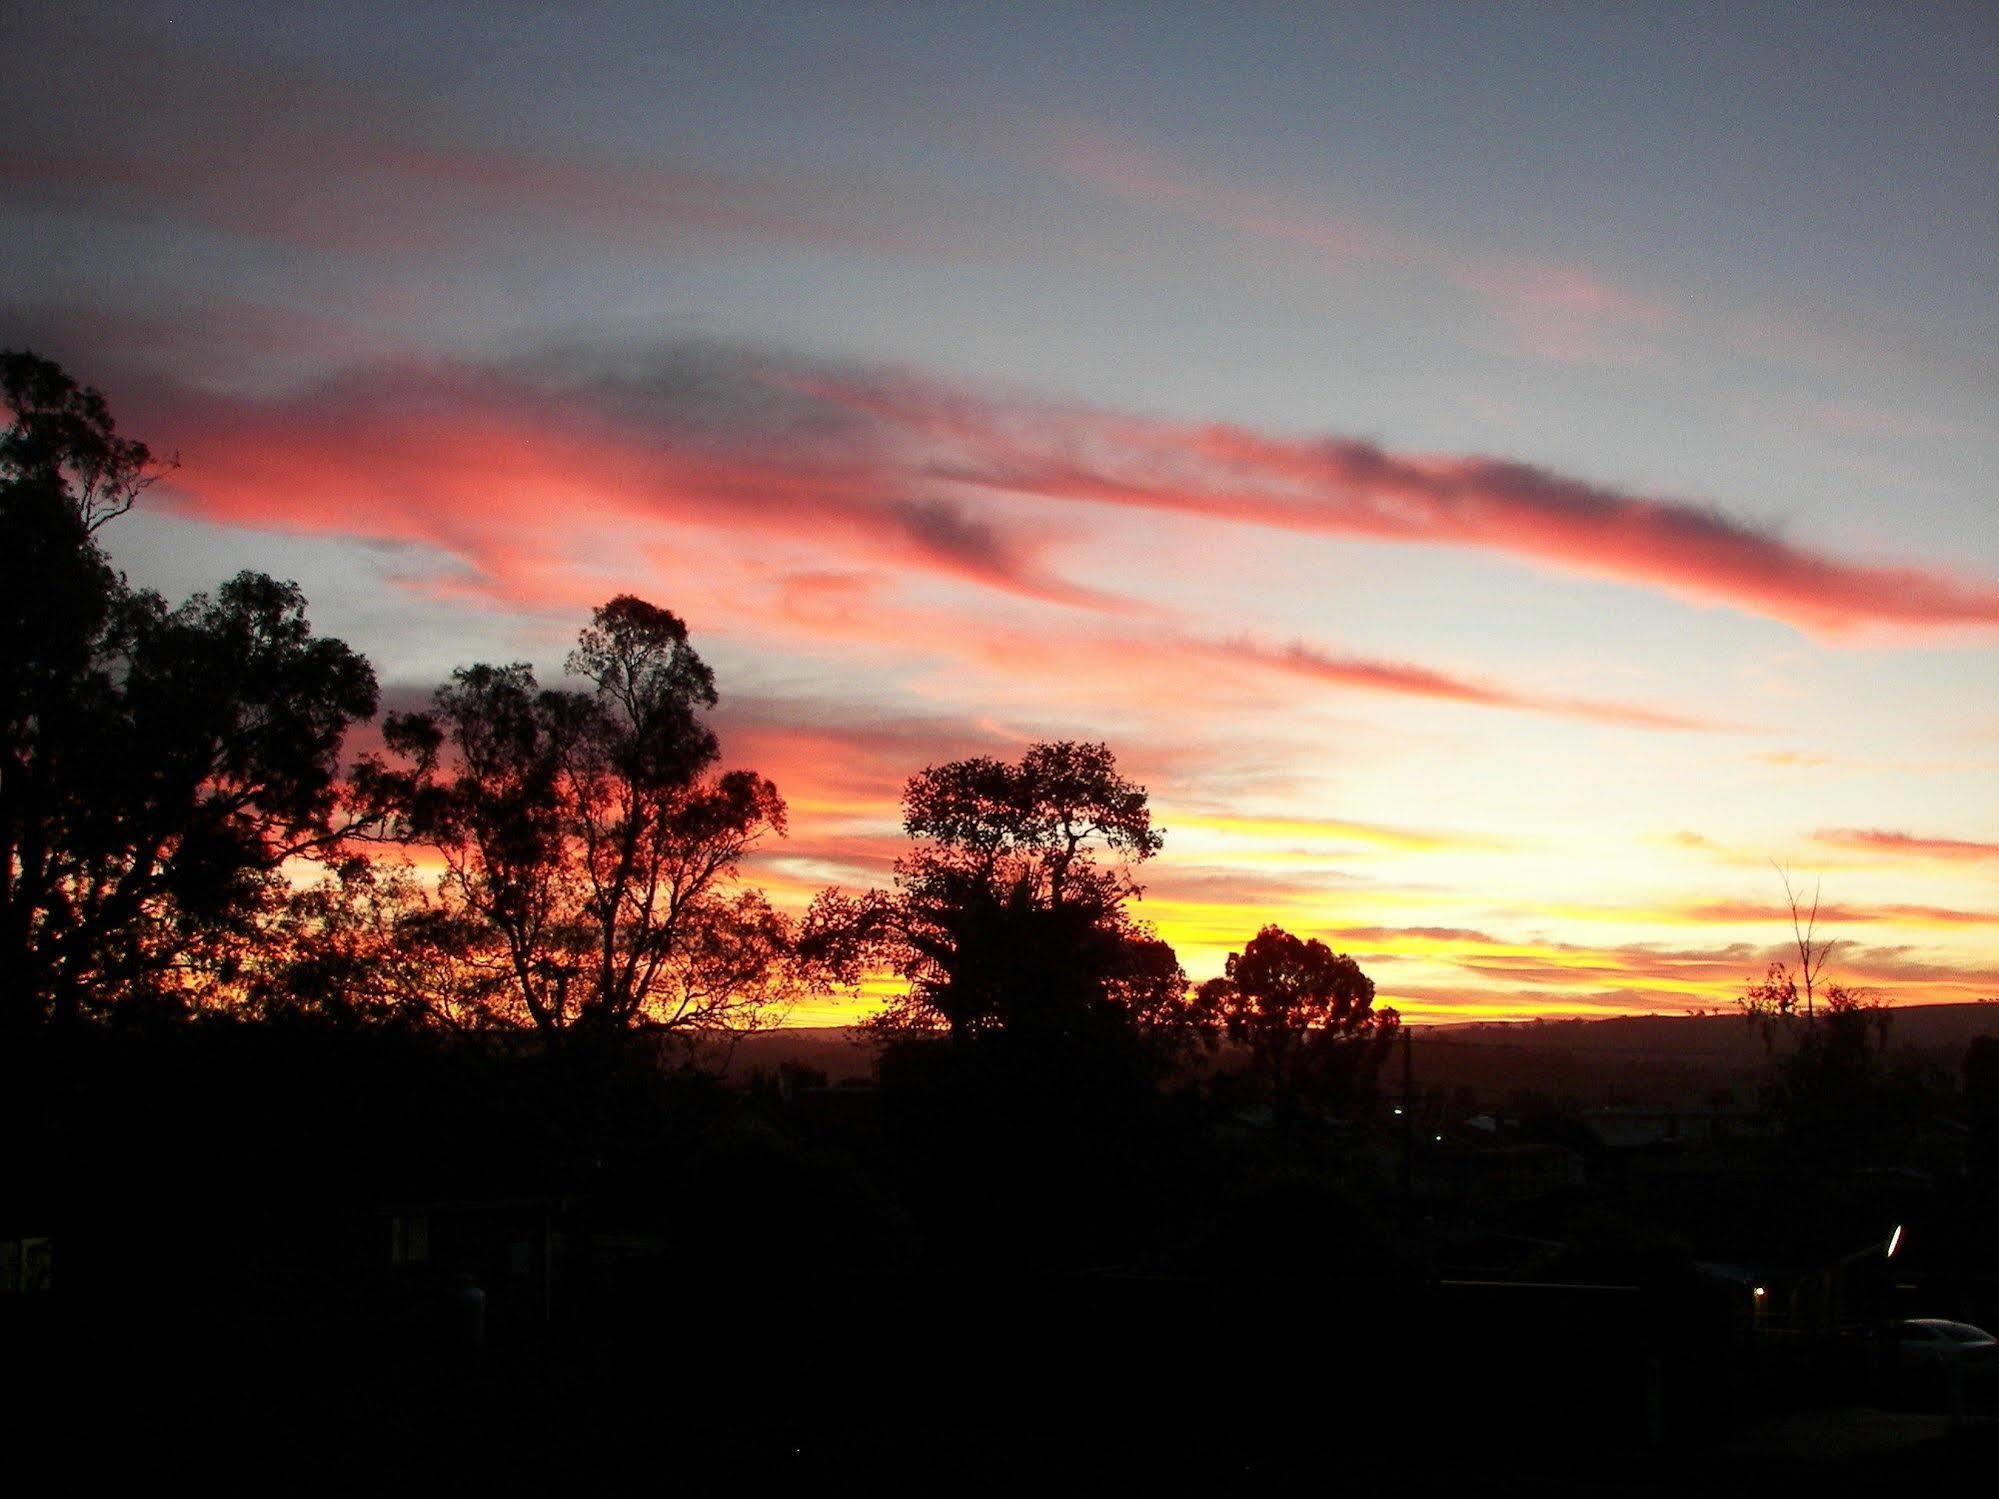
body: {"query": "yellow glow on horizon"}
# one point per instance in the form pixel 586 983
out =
pixel 1310 830
pixel 1442 922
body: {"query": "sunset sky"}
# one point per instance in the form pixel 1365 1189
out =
pixel 1504 478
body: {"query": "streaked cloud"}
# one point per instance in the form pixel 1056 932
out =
pixel 910 401
pixel 913 470
pixel 1557 311
pixel 1833 914
pixel 1323 830
pixel 1909 845
pixel 191 135
pixel 1344 486
pixel 1419 681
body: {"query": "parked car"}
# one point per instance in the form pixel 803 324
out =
pixel 1936 1343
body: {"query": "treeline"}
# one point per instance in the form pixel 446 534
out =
pixel 273 982
pixel 257 949
pixel 183 838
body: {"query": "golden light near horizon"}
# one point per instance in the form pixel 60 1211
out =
pixel 1029 678
pixel 1487 583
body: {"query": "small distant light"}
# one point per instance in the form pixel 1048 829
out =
pixel 1894 1241
pixel 1758 1293
pixel 1440 1137
pixel 1398 1113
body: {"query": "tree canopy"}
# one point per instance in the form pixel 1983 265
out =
pixel 1832 1085
pixel 1305 1016
pixel 61 439
pixel 158 766
pixel 1010 915
pixel 591 850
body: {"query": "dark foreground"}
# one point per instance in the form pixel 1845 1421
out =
pixel 887 1390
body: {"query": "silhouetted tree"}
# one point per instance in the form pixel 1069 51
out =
pixel 1789 998
pixel 158 766
pixel 1020 1070
pixel 589 842
pixel 1010 914
pixel 1306 1016
pixel 1832 1086
pixel 62 443
pixel 370 944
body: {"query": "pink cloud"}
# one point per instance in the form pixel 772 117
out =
pixel 1343 486
pixel 382 195
pixel 1109 664
pixel 1868 422
pixel 283 155
pixel 1563 313
pixel 900 471
pixel 1122 170
pixel 1834 915
pixel 1898 971
pixel 1877 840
pixel 512 473
pixel 1410 680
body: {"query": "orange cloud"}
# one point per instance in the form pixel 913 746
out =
pixel 1833 915
pixel 1346 487
pixel 516 472
pixel 1478 968
pixel 542 476
pixel 569 459
pixel 1719 974
pixel 1320 830
pixel 1418 681
pixel 1876 840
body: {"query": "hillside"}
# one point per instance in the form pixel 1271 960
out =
pixel 1633 1058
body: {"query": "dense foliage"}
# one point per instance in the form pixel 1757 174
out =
pixel 159 766
pixel 590 851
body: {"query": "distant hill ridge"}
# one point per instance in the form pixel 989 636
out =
pixel 1719 1048
pixel 1914 1027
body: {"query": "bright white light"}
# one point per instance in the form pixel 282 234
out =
pixel 1894 1241
pixel 1759 1293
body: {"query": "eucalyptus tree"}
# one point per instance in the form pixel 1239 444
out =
pixel 159 766
pixel 1011 914
pixel 588 838
pixel 1304 1015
